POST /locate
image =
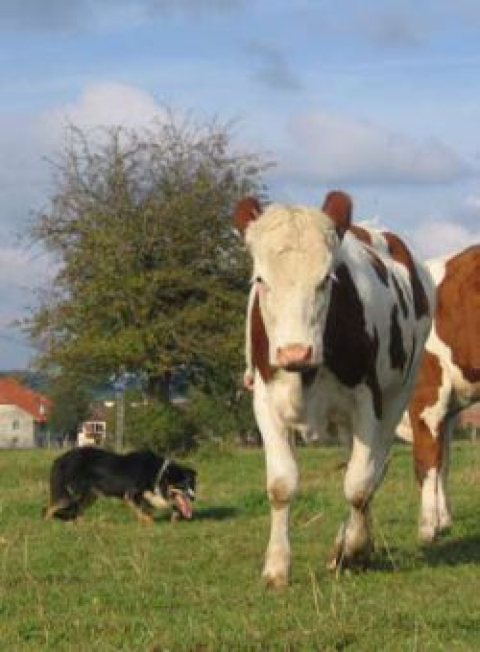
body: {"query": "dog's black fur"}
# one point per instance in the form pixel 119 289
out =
pixel 141 478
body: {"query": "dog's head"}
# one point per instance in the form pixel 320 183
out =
pixel 176 484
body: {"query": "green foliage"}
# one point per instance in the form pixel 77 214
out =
pixel 160 426
pixel 221 417
pixel 150 273
pixel 71 404
pixel 169 428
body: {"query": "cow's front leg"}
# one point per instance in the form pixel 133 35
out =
pixel 366 470
pixel 354 541
pixel 282 482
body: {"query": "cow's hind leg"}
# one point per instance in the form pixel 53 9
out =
pixel 431 443
pixel 434 509
pixel 444 514
pixel 282 481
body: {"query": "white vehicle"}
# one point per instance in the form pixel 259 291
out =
pixel 92 433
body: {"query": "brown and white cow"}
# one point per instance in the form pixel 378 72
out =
pixel 335 332
pixel 449 380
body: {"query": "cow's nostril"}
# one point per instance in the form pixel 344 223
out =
pixel 294 355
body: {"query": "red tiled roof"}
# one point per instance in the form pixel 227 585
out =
pixel 13 393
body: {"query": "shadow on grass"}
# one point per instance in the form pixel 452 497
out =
pixel 453 551
pixel 220 513
pixel 380 561
pixel 448 551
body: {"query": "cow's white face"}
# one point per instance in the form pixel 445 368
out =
pixel 293 250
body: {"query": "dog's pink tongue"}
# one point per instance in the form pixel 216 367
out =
pixel 184 506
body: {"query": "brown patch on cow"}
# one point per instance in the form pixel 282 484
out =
pixel 427 448
pixel 379 267
pixel 400 296
pixel 457 318
pixel 361 234
pixel 338 207
pixel 398 357
pixel 259 342
pixel 247 211
pixel 400 252
pixel 350 352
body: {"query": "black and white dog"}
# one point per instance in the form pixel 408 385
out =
pixel 140 478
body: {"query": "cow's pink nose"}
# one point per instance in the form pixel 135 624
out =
pixel 294 356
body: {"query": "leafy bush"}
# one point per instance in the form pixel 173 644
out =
pixel 160 426
pixel 204 419
pixel 220 417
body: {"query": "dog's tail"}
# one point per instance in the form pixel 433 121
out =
pixel 60 493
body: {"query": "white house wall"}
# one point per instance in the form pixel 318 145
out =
pixel 17 429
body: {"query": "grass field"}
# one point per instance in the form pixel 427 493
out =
pixel 111 583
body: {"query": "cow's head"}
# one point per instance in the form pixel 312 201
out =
pixel 293 250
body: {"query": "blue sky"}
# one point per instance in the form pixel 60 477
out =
pixel 379 99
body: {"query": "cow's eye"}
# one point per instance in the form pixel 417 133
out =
pixel 258 279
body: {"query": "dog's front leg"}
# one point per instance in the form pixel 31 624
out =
pixel 141 514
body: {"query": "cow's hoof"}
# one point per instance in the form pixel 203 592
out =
pixel 350 553
pixel 427 534
pixel 340 561
pixel 444 522
pixel 278 581
pixel 276 569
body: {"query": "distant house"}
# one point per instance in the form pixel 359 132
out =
pixel 470 420
pixel 23 415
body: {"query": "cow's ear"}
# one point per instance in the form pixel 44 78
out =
pixel 247 211
pixel 338 207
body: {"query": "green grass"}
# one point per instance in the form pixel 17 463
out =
pixel 111 583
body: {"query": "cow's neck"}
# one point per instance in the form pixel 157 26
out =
pixel 288 396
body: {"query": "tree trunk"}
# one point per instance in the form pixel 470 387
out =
pixel 158 386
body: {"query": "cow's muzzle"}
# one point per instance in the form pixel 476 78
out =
pixel 294 357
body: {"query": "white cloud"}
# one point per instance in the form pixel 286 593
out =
pixel 108 103
pixel 439 237
pixel 330 148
